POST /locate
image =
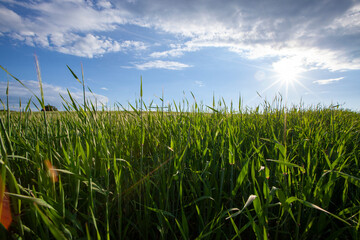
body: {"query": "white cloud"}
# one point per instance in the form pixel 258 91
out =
pixel 104 88
pixel 9 19
pixel 350 21
pixel 328 81
pixel 104 4
pixel 200 83
pixel 158 64
pixel 51 94
pixel 90 46
pixel 176 51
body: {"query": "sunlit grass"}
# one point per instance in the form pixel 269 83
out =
pixel 203 172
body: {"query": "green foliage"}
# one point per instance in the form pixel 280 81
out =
pixel 185 174
pixel 49 108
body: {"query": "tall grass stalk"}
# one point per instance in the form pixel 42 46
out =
pixel 42 104
pixel 83 85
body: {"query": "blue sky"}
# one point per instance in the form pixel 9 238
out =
pixel 306 51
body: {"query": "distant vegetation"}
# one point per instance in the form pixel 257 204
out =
pixel 49 108
pixel 246 174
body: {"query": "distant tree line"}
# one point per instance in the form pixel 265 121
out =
pixel 49 108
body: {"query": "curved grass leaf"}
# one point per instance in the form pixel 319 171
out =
pixel 287 164
pixel 37 201
pixel 311 205
pixel 248 202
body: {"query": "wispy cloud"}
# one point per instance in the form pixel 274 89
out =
pixel 90 46
pixel 158 64
pixel 200 83
pixel 328 81
pixel 51 94
pixel 104 88
pixel 176 51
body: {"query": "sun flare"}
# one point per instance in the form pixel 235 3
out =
pixel 288 70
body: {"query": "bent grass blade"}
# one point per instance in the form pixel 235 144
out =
pixel 248 202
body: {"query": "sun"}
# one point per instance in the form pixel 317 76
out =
pixel 288 70
pixel 288 73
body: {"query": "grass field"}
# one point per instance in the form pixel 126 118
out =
pixel 204 173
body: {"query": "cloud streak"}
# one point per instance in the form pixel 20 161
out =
pixel 328 81
pixel 199 83
pixel 159 64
